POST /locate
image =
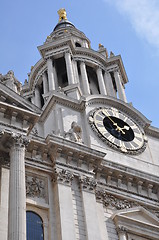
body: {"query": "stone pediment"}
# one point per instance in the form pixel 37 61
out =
pixel 137 222
pixel 139 215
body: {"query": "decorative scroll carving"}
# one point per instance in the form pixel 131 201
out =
pixel 75 133
pixel 35 187
pixel 63 176
pixel 110 200
pixel 88 183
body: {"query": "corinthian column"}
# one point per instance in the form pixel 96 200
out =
pixel 84 76
pixel 109 85
pixel 69 68
pixel 17 192
pixel 101 81
pixel 50 74
pixel 120 87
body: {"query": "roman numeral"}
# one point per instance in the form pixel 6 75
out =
pixel 111 138
pixel 100 122
pixel 102 130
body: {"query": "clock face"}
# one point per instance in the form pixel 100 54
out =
pixel 117 129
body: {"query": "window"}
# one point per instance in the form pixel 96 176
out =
pixel 34 226
pixel 77 44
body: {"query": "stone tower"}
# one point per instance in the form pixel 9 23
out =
pixel 78 162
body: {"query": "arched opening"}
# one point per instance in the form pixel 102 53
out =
pixel 77 44
pixel 34 226
pixel 60 66
pixel 113 81
pixel 93 81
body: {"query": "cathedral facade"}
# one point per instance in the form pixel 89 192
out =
pixel 78 162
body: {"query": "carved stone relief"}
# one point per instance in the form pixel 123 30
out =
pixel 112 201
pixel 35 187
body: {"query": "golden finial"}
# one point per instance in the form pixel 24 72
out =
pixel 62 14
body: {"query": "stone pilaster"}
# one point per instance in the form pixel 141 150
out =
pixel 109 85
pixel 64 205
pixel 17 192
pixel 69 68
pixel 88 186
pixel 101 81
pixel 120 88
pixel 84 76
pixel 50 74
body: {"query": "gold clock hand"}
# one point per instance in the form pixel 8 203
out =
pixel 126 127
pixel 105 113
pixel 119 129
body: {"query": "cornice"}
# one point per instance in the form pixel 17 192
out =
pixel 120 105
pixel 16 100
pixel 152 131
pixel 76 148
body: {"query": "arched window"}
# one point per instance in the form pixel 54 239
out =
pixel 34 226
pixel 77 44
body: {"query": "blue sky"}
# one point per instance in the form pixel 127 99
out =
pixel 126 27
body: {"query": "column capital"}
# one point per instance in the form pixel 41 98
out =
pixel 19 140
pixel 88 183
pixel 116 69
pixel 66 52
pixel 63 176
pixel 122 229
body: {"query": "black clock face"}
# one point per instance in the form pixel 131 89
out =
pixel 117 128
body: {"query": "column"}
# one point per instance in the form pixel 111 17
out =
pixel 88 186
pixel 109 85
pixel 17 191
pixel 50 75
pixel 45 83
pixel 101 81
pixel 37 97
pixel 65 225
pixel 75 71
pixel 55 76
pixel 122 233
pixel 120 87
pixel 69 68
pixel 84 76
